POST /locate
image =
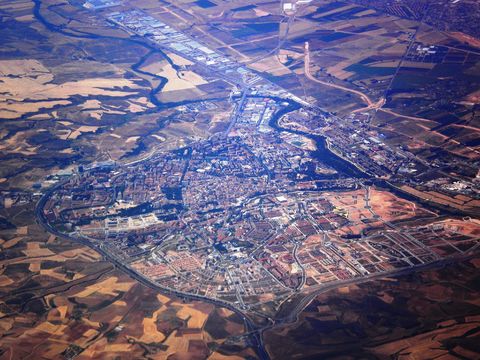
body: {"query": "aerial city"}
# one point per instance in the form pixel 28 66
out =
pixel 231 179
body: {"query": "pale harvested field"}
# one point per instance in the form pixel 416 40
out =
pixel 25 18
pixel 225 312
pixel 103 347
pixel 218 356
pixel 58 313
pixel 37 252
pixel 180 81
pixel 159 137
pixel 132 139
pixel 270 65
pixel 87 337
pixel 179 344
pixel 139 105
pixel 163 299
pixel 196 318
pixel 180 95
pixel 426 345
pixel 260 12
pixel 330 12
pixel 150 331
pixel 12 242
pixel 155 67
pixel 82 129
pixel 36 262
pixel 59 276
pixel 5 280
pixel 284 54
pixel 440 198
pixel 178 60
pixel 50 328
pixel 365 13
pixel 15 5
pixel 431 37
pixel 22 230
pixel 109 286
pixel 18 144
pixel 95 109
pixel 24 80
pixel 13 110
pixel 34 267
pixel 389 63
pixel 86 254
pixel 298 28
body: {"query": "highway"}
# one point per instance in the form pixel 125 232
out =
pixel 237 112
